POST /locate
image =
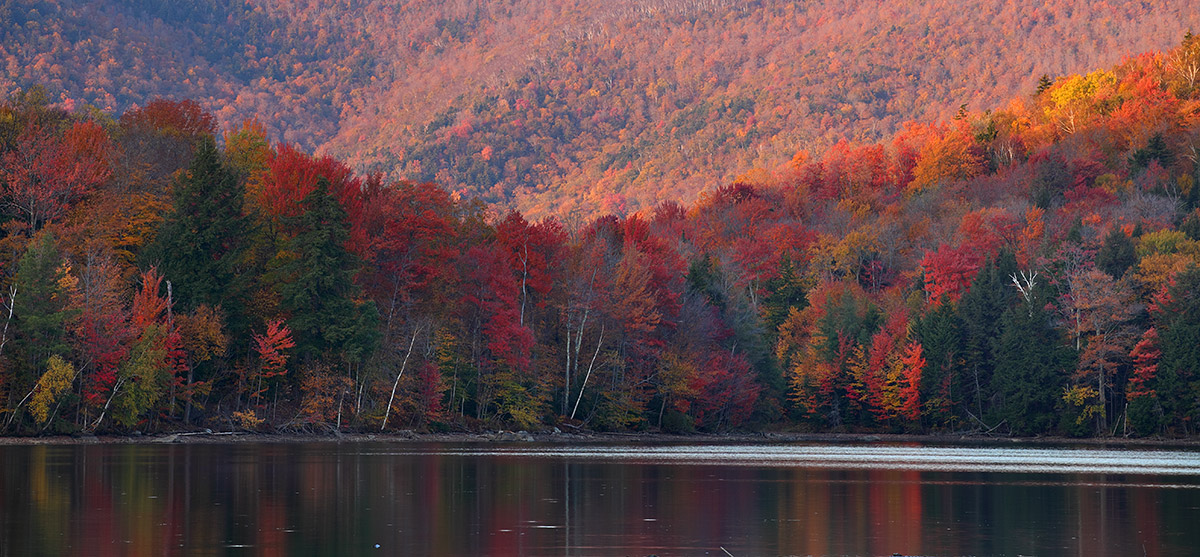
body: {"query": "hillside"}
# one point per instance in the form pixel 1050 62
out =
pixel 1032 270
pixel 581 107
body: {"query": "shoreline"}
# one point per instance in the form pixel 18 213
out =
pixel 596 438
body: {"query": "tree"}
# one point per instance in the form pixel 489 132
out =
pixel 1177 379
pixel 1032 366
pixel 980 316
pixel 317 288
pixel 1100 312
pixel 200 245
pixel 44 175
pixel 1117 254
pixel 58 378
pixel 41 310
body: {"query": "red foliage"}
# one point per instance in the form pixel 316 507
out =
pixel 272 346
pixel 43 175
pixel 1145 355
pixel 910 393
pixel 148 307
pixel 726 390
pixel 184 118
pixel 491 294
pixel 949 271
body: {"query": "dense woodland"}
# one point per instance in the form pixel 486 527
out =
pixel 1031 270
pixel 570 107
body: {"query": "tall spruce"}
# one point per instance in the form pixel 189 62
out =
pixel 1177 382
pixel 40 312
pixel 979 313
pixel 326 312
pixel 202 242
pixel 1116 254
pixel 1031 368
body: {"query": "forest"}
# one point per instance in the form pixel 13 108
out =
pixel 1028 270
pixel 569 108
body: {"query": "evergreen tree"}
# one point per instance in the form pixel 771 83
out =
pixel 200 245
pixel 1116 255
pixel 1155 150
pixel 940 334
pixel 784 292
pixel 1044 83
pixel 991 294
pixel 1032 364
pixel 326 313
pixel 1177 382
pixel 40 312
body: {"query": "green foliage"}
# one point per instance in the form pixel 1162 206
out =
pixel 1178 380
pixel 784 292
pixel 1155 150
pixel 979 314
pixel 200 244
pixel 317 290
pixel 1117 254
pixel 40 308
pixel 143 379
pixel 1032 365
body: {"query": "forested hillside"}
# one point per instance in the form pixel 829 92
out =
pixel 1027 270
pixel 578 107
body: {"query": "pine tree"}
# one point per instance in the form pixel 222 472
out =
pixel 940 335
pixel 1116 255
pixel 40 311
pixel 318 290
pixel 980 312
pixel 1178 379
pixel 1032 364
pixel 200 245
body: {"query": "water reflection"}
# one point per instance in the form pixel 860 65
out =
pixel 345 499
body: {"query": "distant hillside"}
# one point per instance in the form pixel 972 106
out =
pixel 582 106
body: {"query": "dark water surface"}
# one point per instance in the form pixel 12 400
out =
pixel 448 499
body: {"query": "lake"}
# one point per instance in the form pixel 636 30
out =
pixel 419 498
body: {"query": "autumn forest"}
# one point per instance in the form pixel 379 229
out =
pixel 1030 267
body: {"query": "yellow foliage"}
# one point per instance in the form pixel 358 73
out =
pixel 57 379
pixel 1154 270
pixel 202 333
pixel 248 420
pixel 1167 242
pixel 947 159
pixel 1086 399
pixel 1074 100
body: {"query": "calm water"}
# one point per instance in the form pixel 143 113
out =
pixel 426 499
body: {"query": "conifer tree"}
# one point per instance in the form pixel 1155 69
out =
pixel 1116 255
pixel 1032 365
pixel 1178 379
pixel 40 311
pixel 325 307
pixel 980 312
pixel 200 245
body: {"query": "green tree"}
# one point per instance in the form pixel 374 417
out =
pixel 326 312
pixel 1178 379
pixel 200 245
pixel 979 313
pixel 1117 254
pixel 1032 366
pixel 40 311
pixel 940 334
